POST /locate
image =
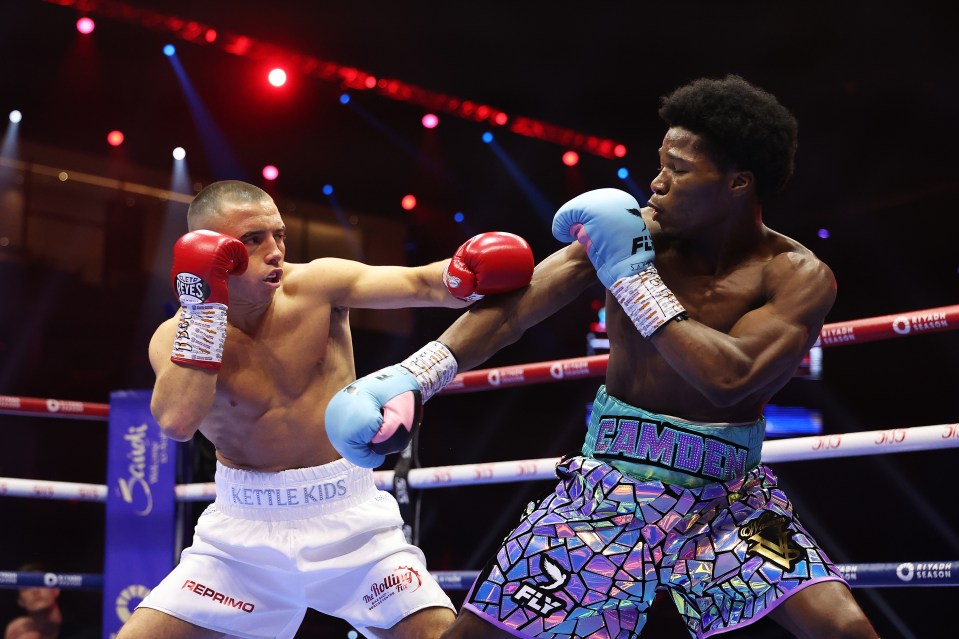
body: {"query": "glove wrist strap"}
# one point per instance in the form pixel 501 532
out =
pixel 200 335
pixel 647 300
pixel 433 366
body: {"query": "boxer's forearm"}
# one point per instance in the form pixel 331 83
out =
pixel 496 322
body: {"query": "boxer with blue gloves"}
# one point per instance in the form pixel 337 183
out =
pixel 669 491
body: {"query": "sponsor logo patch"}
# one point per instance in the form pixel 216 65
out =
pixel 217 597
pixel 769 538
pixel 539 596
pixel 191 289
pixel 401 579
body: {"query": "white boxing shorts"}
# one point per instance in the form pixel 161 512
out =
pixel 273 544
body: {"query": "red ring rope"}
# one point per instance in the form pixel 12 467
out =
pixel 932 320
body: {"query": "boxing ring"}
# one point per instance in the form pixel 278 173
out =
pixel 915 572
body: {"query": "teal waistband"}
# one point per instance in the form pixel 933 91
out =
pixel 647 445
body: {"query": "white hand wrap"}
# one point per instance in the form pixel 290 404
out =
pixel 433 366
pixel 647 301
pixel 200 335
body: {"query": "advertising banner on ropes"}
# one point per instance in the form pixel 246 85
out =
pixel 140 508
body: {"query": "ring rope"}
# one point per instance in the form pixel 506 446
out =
pixel 932 320
pixel 872 442
pixel 870 575
pixel 859 331
pixel 10 579
pixel 63 408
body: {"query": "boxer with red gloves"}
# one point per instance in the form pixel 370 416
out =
pixel 260 345
pixel 202 264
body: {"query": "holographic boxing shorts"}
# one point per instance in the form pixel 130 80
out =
pixel 587 560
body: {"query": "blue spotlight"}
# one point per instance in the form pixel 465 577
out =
pixel 487 137
pixel 823 233
pixel 458 216
pixel 169 50
pixel 345 98
pixel 622 173
pixel 327 189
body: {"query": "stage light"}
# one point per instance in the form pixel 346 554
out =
pixel 408 202
pixel 277 77
pixel 115 138
pixel 500 118
pixel 15 116
pixel 458 216
pixel 619 150
pixel 823 233
pixel 345 98
pixel 622 173
pixel 210 35
pixel 430 121
pixel 571 158
pixel 327 189
pixel 270 172
pixel 179 153
pixel 487 137
pixel 85 25
pixel 169 50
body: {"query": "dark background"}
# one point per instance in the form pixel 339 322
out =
pixel 874 90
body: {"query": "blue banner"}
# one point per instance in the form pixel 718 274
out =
pixel 140 510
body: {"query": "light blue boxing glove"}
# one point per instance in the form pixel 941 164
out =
pixel 379 414
pixel 608 223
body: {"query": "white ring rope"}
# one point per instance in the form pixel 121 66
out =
pixel 872 442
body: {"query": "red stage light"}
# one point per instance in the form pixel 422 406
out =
pixel 210 35
pixel 570 158
pixel 430 121
pixel 270 172
pixel 277 77
pixel 408 203
pixel 619 150
pixel 115 138
pixel 85 25
pixel 500 118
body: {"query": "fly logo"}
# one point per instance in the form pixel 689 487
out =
pixel 537 600
pixel 538 597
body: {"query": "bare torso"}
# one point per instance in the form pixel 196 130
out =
pixel 638 374
pixel 275 383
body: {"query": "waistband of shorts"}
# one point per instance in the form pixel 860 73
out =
pixel 673 450
pixel 297 493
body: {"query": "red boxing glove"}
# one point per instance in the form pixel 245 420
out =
pixel 489 263
pixel 202 264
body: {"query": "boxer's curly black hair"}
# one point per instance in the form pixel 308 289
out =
pixel 744 126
